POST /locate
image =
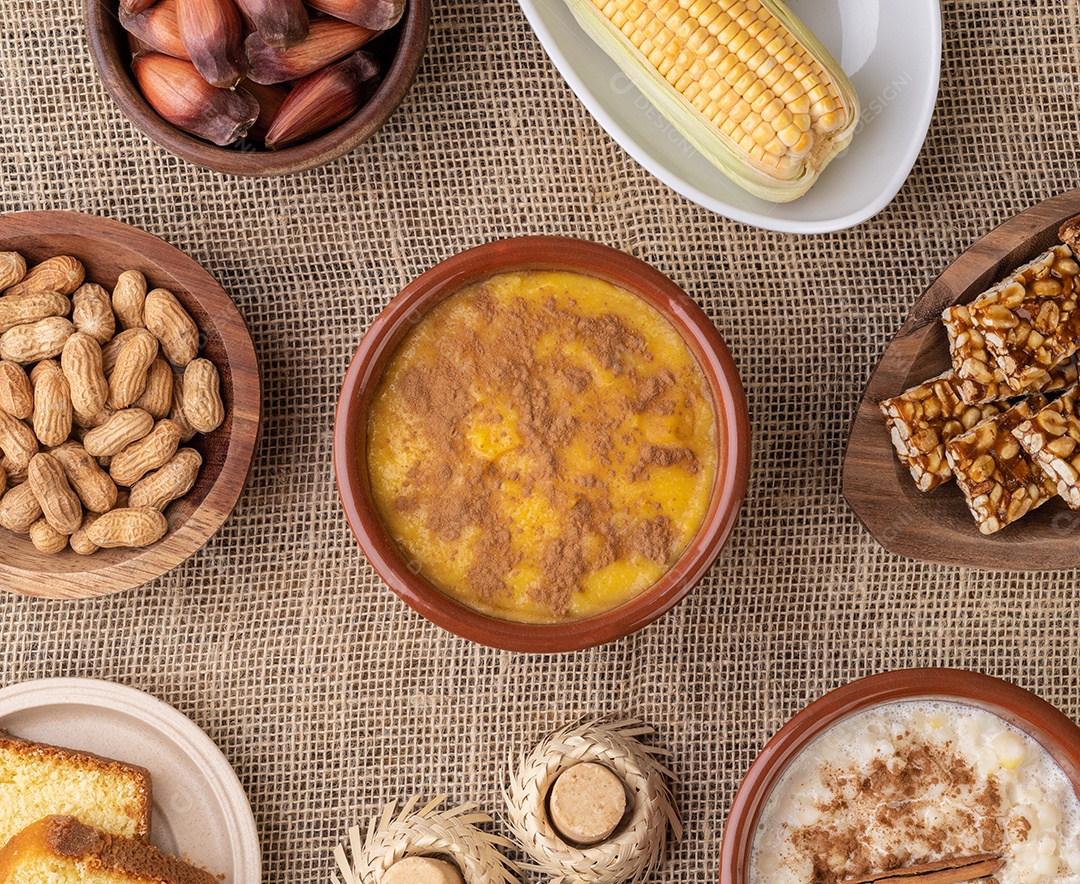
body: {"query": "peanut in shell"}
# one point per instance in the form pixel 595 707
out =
pixel 133 357
pixel 172 325
pixel 61 273
pixel 52 403
pixel 176 413
pixel 80 542
pixel 81 362
pixel 12 269
pixel 85 422
pixel 47 539
pixel 128 297
pixel 119 431
pixel 35 341
pixel 95 487
pixel 16 474
pixel 92 313
pixel 19 509
pixel 127 527
pixel 16 392
pixel 150 453
pixel 22 309
pixel 202 403
pixel 156 398
pixel 173 480
pixel 58 501
pixel 18 443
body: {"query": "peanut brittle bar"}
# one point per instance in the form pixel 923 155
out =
pixel 1000 483
pixel 1052 439
pixel 1029 322
pixel 974 369
pixel 974 393
pixel 921 420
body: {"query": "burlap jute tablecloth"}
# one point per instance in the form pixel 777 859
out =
pixel 326 693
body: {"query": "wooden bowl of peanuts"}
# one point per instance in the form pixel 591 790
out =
pixel 129 405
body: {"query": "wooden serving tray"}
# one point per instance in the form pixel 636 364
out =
pixel 936 526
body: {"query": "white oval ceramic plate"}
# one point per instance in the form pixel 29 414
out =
pixel 200 810
pixel 891 49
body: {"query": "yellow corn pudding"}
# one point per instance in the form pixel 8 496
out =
pixel 542 446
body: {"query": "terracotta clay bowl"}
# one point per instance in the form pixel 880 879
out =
pixel 541 253
pixel 400 50
pixel 1056 733
pixel 107 248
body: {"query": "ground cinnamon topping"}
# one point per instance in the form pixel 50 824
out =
pixel 921 803
pixel 919 791
pixel 650 538
pixel 498 418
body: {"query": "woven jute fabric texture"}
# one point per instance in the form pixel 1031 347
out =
pixel 325 692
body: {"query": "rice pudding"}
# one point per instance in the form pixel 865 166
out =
pixel 913 782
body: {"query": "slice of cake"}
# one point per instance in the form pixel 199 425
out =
pixel 37 780
pixel 61 850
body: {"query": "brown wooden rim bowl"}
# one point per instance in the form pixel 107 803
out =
pixel 401 51
pixel 1055 732
pixel 107 248
pixel 937 526
pixel 540 253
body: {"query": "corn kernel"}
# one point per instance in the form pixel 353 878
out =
pixel 741 67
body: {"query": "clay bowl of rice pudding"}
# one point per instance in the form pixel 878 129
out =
pixel 919 776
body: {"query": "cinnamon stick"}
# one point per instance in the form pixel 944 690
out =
pixel 946 871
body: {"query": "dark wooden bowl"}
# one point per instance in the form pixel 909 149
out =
pixel 541 253
pixel 107 248
pixel 936 526
pixel 400 50
pixel 1049 727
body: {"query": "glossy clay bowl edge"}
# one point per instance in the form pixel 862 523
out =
pixel 541 253
pixel 1054 731
pixel 108 46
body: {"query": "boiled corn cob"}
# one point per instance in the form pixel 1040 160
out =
pixel 743 80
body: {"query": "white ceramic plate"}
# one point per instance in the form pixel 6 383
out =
pixel 891 49
pixel 200 810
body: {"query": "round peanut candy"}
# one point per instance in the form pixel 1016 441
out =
pixel 587 802
pixel 422 870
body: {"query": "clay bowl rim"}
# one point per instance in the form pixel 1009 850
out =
pixel 226 342
pixel 1037 718
pixel 541 253
pixel 112 63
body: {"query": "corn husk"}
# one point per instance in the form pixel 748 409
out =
pixel 702 133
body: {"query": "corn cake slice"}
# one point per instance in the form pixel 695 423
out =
pixel 1052 439
pixel 37 780
pixel 999 481
pixel 62 850
pixel 921 420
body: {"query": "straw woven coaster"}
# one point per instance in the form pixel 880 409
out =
pixel 451 834
pixel 637 845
